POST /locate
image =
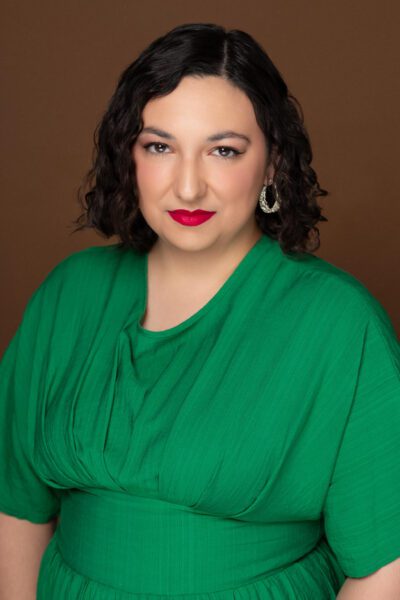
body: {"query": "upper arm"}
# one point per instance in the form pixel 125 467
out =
pixel 383 583
pixel 24 381
pixel 362 506
pixel 23 493
pixel 21 543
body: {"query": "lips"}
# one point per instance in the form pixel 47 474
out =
pixel 190 218
pixel 191 212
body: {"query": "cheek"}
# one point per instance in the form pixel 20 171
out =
pixel 150 174
pixel 144 174
pixel 240 183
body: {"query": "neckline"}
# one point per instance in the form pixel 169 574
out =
pixel 260 246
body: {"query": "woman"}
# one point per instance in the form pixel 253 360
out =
pixel 212 410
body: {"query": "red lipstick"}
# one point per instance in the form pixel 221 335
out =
pixel 191 218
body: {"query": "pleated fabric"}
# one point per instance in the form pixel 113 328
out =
pixel 249 452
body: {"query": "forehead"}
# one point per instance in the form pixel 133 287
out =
pixel 202 104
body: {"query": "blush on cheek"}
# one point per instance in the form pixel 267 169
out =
pixel 145 180
pixel 238 183
pixel 150 175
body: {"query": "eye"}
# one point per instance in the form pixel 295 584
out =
pixel 155 145
pixel 228 149
pixel 159 148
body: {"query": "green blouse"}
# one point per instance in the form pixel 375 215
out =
pixel 250 452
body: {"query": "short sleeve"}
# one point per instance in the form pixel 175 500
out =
pixel 362 507
pixel 22 493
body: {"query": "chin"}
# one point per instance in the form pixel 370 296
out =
pixel 189 242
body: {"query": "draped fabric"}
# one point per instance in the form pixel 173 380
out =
pixel 249 452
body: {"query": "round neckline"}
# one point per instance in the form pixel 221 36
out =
pixel 245 263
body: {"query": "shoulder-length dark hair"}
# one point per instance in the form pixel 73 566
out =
pixel 108 193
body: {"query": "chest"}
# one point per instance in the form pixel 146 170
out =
pixel 209 421
pixel 169 305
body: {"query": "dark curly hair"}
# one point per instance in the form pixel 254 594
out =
pixel 108 194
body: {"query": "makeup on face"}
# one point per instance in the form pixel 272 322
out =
pixel 191 218
pixel 199 162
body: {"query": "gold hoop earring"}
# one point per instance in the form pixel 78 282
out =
pixel 263 198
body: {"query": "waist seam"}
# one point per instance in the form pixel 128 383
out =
pixel 266 580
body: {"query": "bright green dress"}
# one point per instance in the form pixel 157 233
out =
pixel 250 452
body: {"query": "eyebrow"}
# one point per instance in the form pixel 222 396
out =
pixel 221 135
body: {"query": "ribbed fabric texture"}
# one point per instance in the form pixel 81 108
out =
pixel 249 452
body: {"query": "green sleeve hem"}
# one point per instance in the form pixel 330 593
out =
pixel 369 566
pixel 28 515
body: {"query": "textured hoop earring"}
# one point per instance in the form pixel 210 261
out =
pixel 263 198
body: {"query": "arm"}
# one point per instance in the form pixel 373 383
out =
pixel 22 545
pixel 383 584
pixel 362 505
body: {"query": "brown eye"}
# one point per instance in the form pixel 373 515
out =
pixel 155 145
pixel 228 149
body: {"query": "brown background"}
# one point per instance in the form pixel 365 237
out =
pixel 60 65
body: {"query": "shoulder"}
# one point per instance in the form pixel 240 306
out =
pixel 93 262
pixel 85 281
pixel 92 266
pixel 335 295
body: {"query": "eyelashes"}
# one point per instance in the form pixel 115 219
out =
pixel 235 153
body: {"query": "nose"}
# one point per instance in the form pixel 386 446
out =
pixel 189 184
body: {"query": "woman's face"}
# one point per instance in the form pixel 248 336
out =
pixel 178 167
